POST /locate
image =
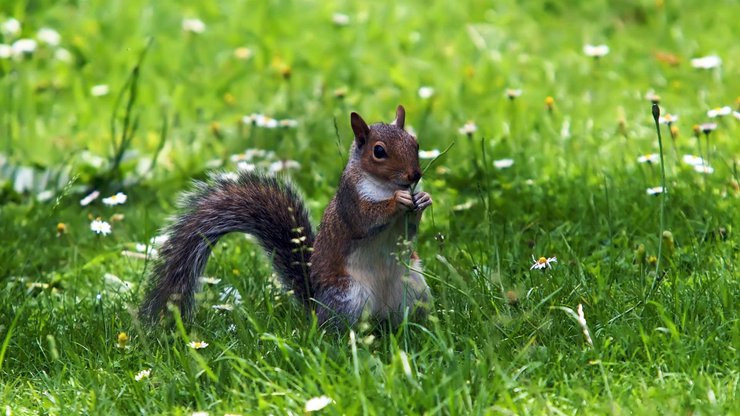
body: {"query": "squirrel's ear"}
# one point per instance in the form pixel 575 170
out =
pixel 400 117
pixel 360 128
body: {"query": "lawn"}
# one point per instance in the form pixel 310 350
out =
pixel 537 142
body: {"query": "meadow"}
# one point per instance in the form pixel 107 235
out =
pixel 538 138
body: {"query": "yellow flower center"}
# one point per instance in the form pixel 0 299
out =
pixel 541 260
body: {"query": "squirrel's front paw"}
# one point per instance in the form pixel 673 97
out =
pixel 404 200
pixel 421 201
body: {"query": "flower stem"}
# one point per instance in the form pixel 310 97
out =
pixel 656 116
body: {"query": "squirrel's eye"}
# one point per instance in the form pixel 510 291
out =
pixel 379 152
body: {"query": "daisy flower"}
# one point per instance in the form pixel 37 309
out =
pixel 11 27
pixel 243 53
pixel 89 198
pixel 693 160
pixel 707 128
pixel 62 55
pixel 223 307
pixel 719 111
pixel 655 190
pixel 503 163
pixel 209 280
pixel 340 19
pixel 668 119
pixel 193 26
pixel 469 128
pixel 99 90
pixel 100 227
pixel 6 51
pixel 48 36
pixel 317 403
pixel 116 199
pixel 262 120
pixel 426 92
pixel 596 51
pixel 142 374
pixel 542 263
pixel 23 47
pixel 649 158
pixel 281 165
pixel 513 93
pixel 246 166
pixel 288 122
pixel 703 169
pixel 197 345
pixel 707 62
pixel 429 154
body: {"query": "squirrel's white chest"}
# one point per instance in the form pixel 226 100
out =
pixel 380 281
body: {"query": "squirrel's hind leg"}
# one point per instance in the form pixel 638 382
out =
pixel 342 305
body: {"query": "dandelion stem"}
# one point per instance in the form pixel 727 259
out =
pixel 656 116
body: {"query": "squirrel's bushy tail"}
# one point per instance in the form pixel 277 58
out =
pixel 262 206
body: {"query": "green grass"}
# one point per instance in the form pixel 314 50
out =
pixel 499 340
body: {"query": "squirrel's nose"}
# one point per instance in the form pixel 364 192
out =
pixel 415 176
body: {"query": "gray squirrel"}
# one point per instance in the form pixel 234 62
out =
pixel 349 269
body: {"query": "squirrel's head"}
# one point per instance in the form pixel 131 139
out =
pixel 387 151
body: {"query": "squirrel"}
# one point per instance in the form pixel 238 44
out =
pixel 352 268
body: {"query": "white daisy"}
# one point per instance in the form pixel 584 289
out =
pixel 193 25
pixel 503 163
pixel 719 111
pixel 142 374
pixel 246 166
pixel 159 239
pixel 197 345
pixel 206 280
pixel 281 165
pixel 543 263
pixel 223 307
pixel 6 51
pixel 89 198
pixel 62 55
pixel 655 190
pixel 426 92
pixel 262 120
pixel 468 128
pixel 23 47
pixel 11 27
pixel 288 123
pixel 703 169
pixel 668 118
pixel 100 227
pixel 513 93
pixel 707 62
pixel 317 403
pixel 48 36
pixel 693 160
pixel 116 199
pixel 429 154
pixel 243 53
pixel 707 128
pixel 596 51
pixel 340 19
pixel 649 158
pixel 99 90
